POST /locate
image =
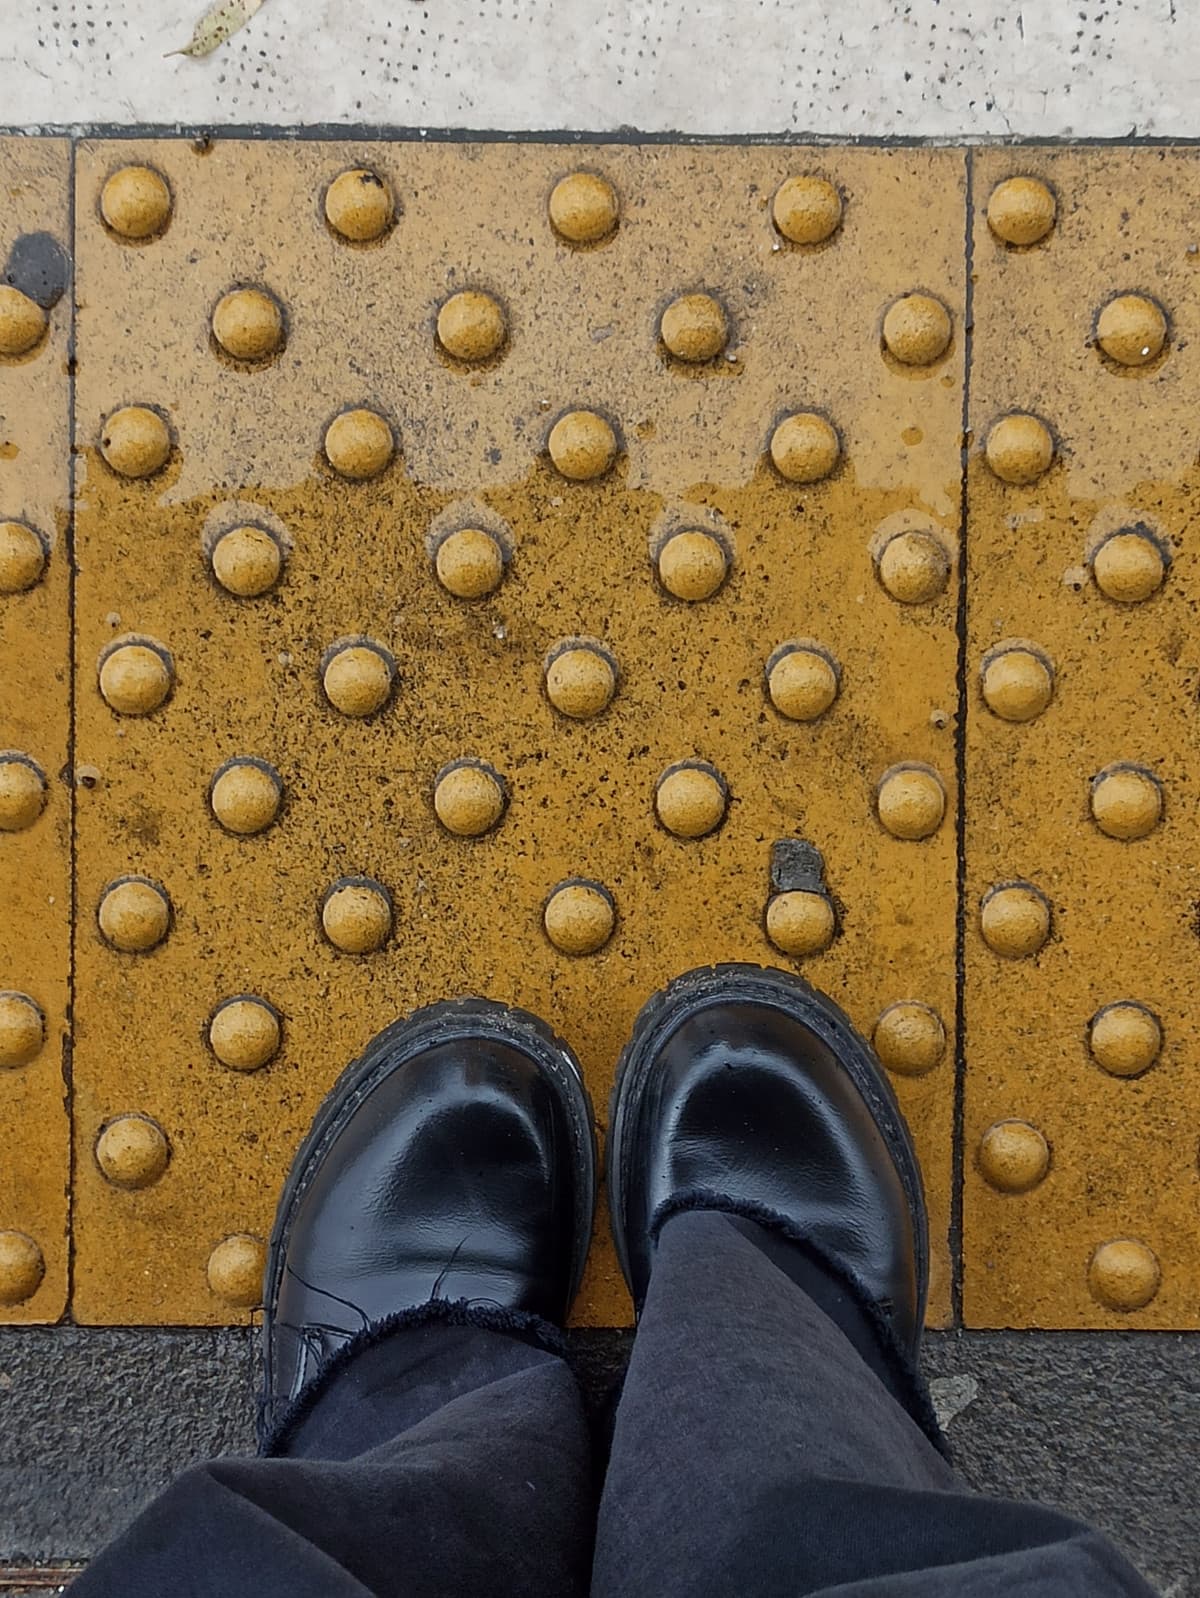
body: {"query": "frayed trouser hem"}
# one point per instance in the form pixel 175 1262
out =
pixel 908 1383
pixel 275 1434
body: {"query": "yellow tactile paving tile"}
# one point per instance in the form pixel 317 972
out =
pixel 464 723
pixel 365 655
pixel 1081 1185
pixel 35 794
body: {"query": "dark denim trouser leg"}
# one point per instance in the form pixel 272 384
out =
pixel 755 1453
pixel 443 1459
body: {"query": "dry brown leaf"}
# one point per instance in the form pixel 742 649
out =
pixel 220 22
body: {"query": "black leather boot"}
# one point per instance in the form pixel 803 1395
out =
pixel 746 1090
pixel 454 1161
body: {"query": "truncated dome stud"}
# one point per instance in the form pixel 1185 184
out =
pixel 246 795
pixel 911 801
pixel 359 444
pixel 135 441
pixel 235 1270
pixel 914 567
pixel 581 679
pixel 1017 682
pixel 1019 448
pixel 1129 566
pixel 244 1033
pixel 1126 802
pixel 471 326
pixel 583 208
pixel 804 448
pixel 690 799
pixel 694 328
pixel 21 1267
pixel 136 202
pixel 1013 1156
pixel 1124 1274
pixel 469 563
pixel 247 561
pixel 917 329
pixel 909 1038
pixel 692 564
pixel 1021 210
pixel 1015 919
pixel 358 677
pixel 22 322
pixel 469 798
pixel 802 681
pixel 1131 329
pixel 135 915
pixel 22 558
pixel 582 445
pixel 579 917
pixel 800 922
pixel 1125 1038
pixel 136 677
pixel 806 210
pixel 22 1030
pixel 248 324
pixel 358 205
pixel 356 915
pixel 22 792
pixel 132 1151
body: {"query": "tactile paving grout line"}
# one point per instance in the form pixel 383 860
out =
pixel 960 764
pixel 76 775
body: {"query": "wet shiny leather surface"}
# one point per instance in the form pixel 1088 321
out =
pixel 744 1100
pixel 455 1177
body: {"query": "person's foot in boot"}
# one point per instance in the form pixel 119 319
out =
pixel 455 1161
pixel 747 1091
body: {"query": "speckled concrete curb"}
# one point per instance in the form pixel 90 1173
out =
pixel 912 67
pixel 92 1423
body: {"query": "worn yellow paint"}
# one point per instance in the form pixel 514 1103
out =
pixel 689 570
pixel 582 333
pixel 1123 1150
pixel 35 888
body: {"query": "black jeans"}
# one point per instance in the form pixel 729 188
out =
pixel 756 1452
